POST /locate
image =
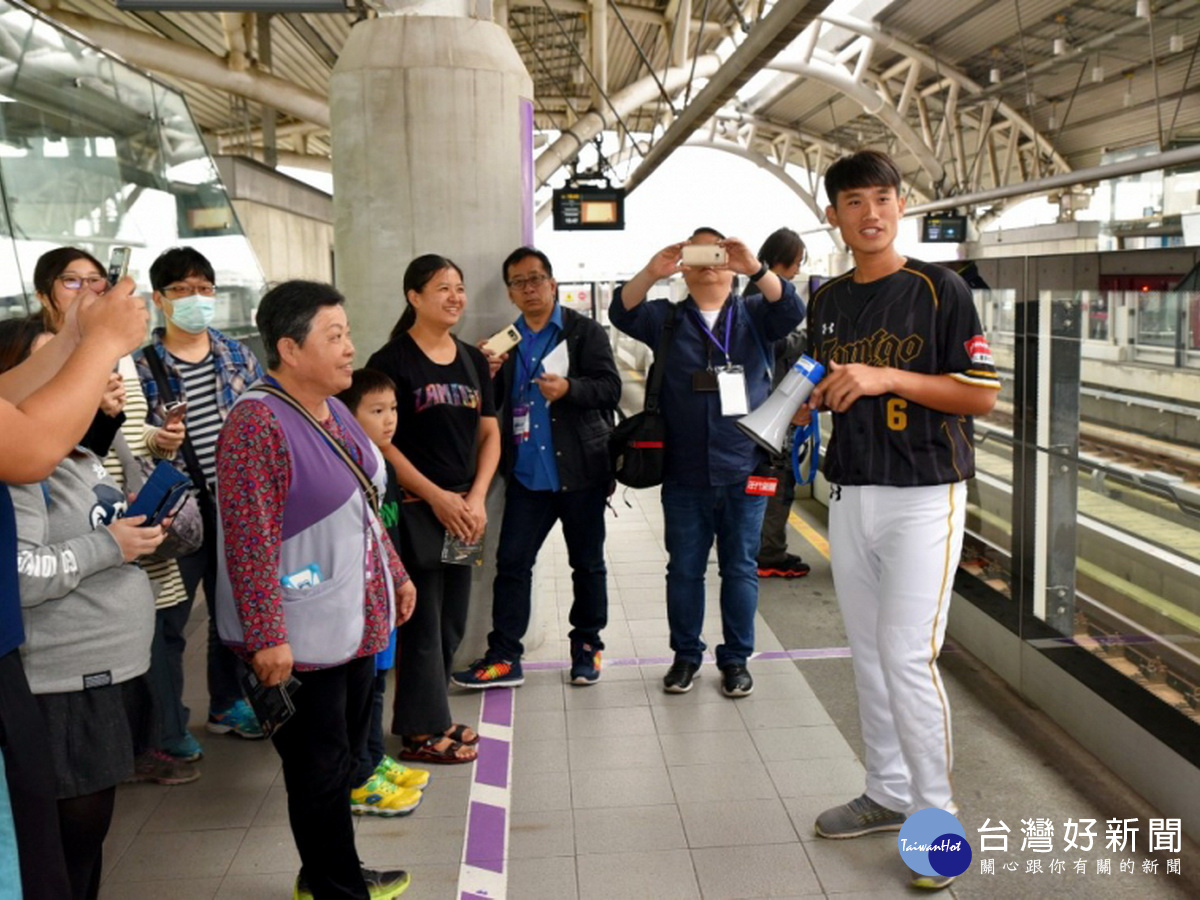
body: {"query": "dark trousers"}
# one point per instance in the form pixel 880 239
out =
pixel 427 643
pixel 774 528
pixel 224 668
pixel 31 786
pixel 166 670
pixel 528 518
pixel 371 751
pixel 319 748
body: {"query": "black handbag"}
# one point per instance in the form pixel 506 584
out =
pixel 637 446
pixel 422 536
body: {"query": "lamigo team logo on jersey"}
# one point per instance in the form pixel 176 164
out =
pixel 933 842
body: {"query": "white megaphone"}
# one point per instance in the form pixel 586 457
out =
pixel 768 425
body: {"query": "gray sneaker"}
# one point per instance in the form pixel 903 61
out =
pixel 860 816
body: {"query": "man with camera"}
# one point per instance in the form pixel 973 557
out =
pixel 718 368
pixel 556 432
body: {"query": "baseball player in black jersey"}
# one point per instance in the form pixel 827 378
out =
pixel 908 366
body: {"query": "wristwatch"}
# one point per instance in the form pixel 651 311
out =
pixel 760 273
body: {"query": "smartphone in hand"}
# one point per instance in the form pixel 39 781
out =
pixel 118 264
pixel 175 412
pixel 161 493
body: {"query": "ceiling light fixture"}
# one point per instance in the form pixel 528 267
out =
pixel 1177 43
pixel 1098 71
pixel 1060 46
pixel 1142 9
pixel 994 75
pixel 1127 100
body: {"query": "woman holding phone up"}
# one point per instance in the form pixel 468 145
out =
pixel 445 452
pixel 88 616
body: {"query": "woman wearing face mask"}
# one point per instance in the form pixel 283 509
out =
pixel 206 370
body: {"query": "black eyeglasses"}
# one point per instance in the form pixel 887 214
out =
pixel 519 284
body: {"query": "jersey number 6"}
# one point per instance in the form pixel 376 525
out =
pixel 897 420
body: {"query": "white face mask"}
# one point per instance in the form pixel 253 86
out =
pixel 193 314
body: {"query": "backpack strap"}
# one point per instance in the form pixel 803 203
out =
pixel 654 385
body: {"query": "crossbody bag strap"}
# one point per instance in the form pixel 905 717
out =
pixel 654 386
pixel 190 460
pixel 364 480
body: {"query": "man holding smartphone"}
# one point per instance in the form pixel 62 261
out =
pixel 718 369
pixel 555 426
pixel 191 384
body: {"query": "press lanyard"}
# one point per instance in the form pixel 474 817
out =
pixel 525 367
pixel 729 313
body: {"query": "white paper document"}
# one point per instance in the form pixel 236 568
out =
pixel 557 362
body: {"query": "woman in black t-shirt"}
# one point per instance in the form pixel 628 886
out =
pixel 445 452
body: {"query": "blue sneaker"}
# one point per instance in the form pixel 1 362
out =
pixel 585 664
pixel 184 748
pixel 488 672
pixel 238 719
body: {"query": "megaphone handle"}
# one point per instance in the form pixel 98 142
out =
pixel 813 429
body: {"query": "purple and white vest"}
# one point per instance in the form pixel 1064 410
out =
pixel 328 530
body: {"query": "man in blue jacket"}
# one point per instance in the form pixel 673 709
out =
pixel 555 443
pixel 718 368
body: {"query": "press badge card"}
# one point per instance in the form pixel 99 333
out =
pixel 731 385
pixel 520 416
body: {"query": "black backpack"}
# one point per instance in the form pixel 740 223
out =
pixel 637 446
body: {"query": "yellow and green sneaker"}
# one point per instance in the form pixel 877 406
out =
pixel 379 797
pixel 401 775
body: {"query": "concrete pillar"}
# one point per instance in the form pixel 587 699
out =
pixel 432 124
pixel 432 153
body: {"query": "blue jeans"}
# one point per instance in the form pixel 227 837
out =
pixel 528 518
pixel 693 517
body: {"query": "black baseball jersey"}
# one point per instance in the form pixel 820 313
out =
pixel 922 319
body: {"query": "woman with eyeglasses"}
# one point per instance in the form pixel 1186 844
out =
pixel 445 451
pixel 61 277
pixel 190 363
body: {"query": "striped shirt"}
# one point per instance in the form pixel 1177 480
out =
pixel 203 415
pixel 163 573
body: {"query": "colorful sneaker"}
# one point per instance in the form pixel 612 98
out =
pixel 490 671
pixel 860 816
pixel 379 797
pixel 185 748
pixel 161 768
pixel 401 775
pixel 932 882
pixel 238 719
pixel 382 884
pixel 585 664
pixel 791 566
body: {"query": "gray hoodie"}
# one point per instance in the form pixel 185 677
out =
pixel 89 616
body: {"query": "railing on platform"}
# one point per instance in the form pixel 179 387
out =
pixel 1150 327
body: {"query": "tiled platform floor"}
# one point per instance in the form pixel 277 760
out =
pixel 619 790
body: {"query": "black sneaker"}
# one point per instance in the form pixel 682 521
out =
pixel 382 884
pixel 678 679
pixel 736 680
pixel 791 566
pixel 585 664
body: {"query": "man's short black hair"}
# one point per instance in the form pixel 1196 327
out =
pixel 177 264
pixel 865 169
pixel 521 254
pixel 363 382
pixel 704 229
pixel 287 311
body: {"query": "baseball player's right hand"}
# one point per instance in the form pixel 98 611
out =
pixel 846 382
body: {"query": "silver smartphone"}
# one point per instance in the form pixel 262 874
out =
pixel 118 264
pixel 704 255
